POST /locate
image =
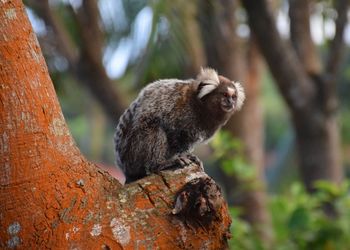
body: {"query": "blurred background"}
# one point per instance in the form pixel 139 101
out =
pixel 283 162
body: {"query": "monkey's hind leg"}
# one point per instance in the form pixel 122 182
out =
pixel 155 151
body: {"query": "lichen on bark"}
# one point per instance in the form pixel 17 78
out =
pixel 50 195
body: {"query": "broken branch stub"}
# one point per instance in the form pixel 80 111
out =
pixel 199 201
pixel 192 203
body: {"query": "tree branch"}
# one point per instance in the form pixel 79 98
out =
pixel 290 76
pixel 299 14
pixel 88 18
pixel 327 82
pixel 337 45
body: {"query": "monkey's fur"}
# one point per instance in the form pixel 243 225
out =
pixel 169 117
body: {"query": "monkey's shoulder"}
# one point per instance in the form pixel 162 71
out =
pixel 164 98
pixel 165 87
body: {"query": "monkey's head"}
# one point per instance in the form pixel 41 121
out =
pixel 219 92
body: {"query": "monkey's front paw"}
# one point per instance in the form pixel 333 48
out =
pixel 174 163
pixel 194 159
pixel 180 161
pixel 184 160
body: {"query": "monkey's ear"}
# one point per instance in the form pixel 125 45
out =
pixel 208 81
pixel 204 88
pixel 240 95
pixel 208 74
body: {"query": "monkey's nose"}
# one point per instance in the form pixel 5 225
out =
pixel 231 102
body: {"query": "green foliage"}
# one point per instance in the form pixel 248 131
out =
pixel 243 235
pixel 299 221
pixel 229 152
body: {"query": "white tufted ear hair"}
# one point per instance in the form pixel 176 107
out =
pixel 209 80
pixel 240 95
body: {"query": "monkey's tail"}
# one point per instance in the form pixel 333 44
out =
pixel 123 126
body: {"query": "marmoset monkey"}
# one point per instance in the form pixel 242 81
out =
pixel 169 117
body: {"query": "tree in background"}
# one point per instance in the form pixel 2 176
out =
pixel 308 87
pixel 82 46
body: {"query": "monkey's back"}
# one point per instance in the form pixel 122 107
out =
pixel 162 104
pixel 161 98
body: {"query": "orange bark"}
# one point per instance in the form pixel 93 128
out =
pixel 50 195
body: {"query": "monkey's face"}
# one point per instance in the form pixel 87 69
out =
pixel 227 94
pixel 220 95
pixel 228 98
pixel 223 100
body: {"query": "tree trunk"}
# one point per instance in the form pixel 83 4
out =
pixel 318 142
pixel 318 149
pixel 50 196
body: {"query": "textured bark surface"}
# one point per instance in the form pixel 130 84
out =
pixel 50 196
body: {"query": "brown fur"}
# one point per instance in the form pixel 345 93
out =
pixel 169 117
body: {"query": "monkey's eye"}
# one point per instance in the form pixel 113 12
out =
pixel 226 94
